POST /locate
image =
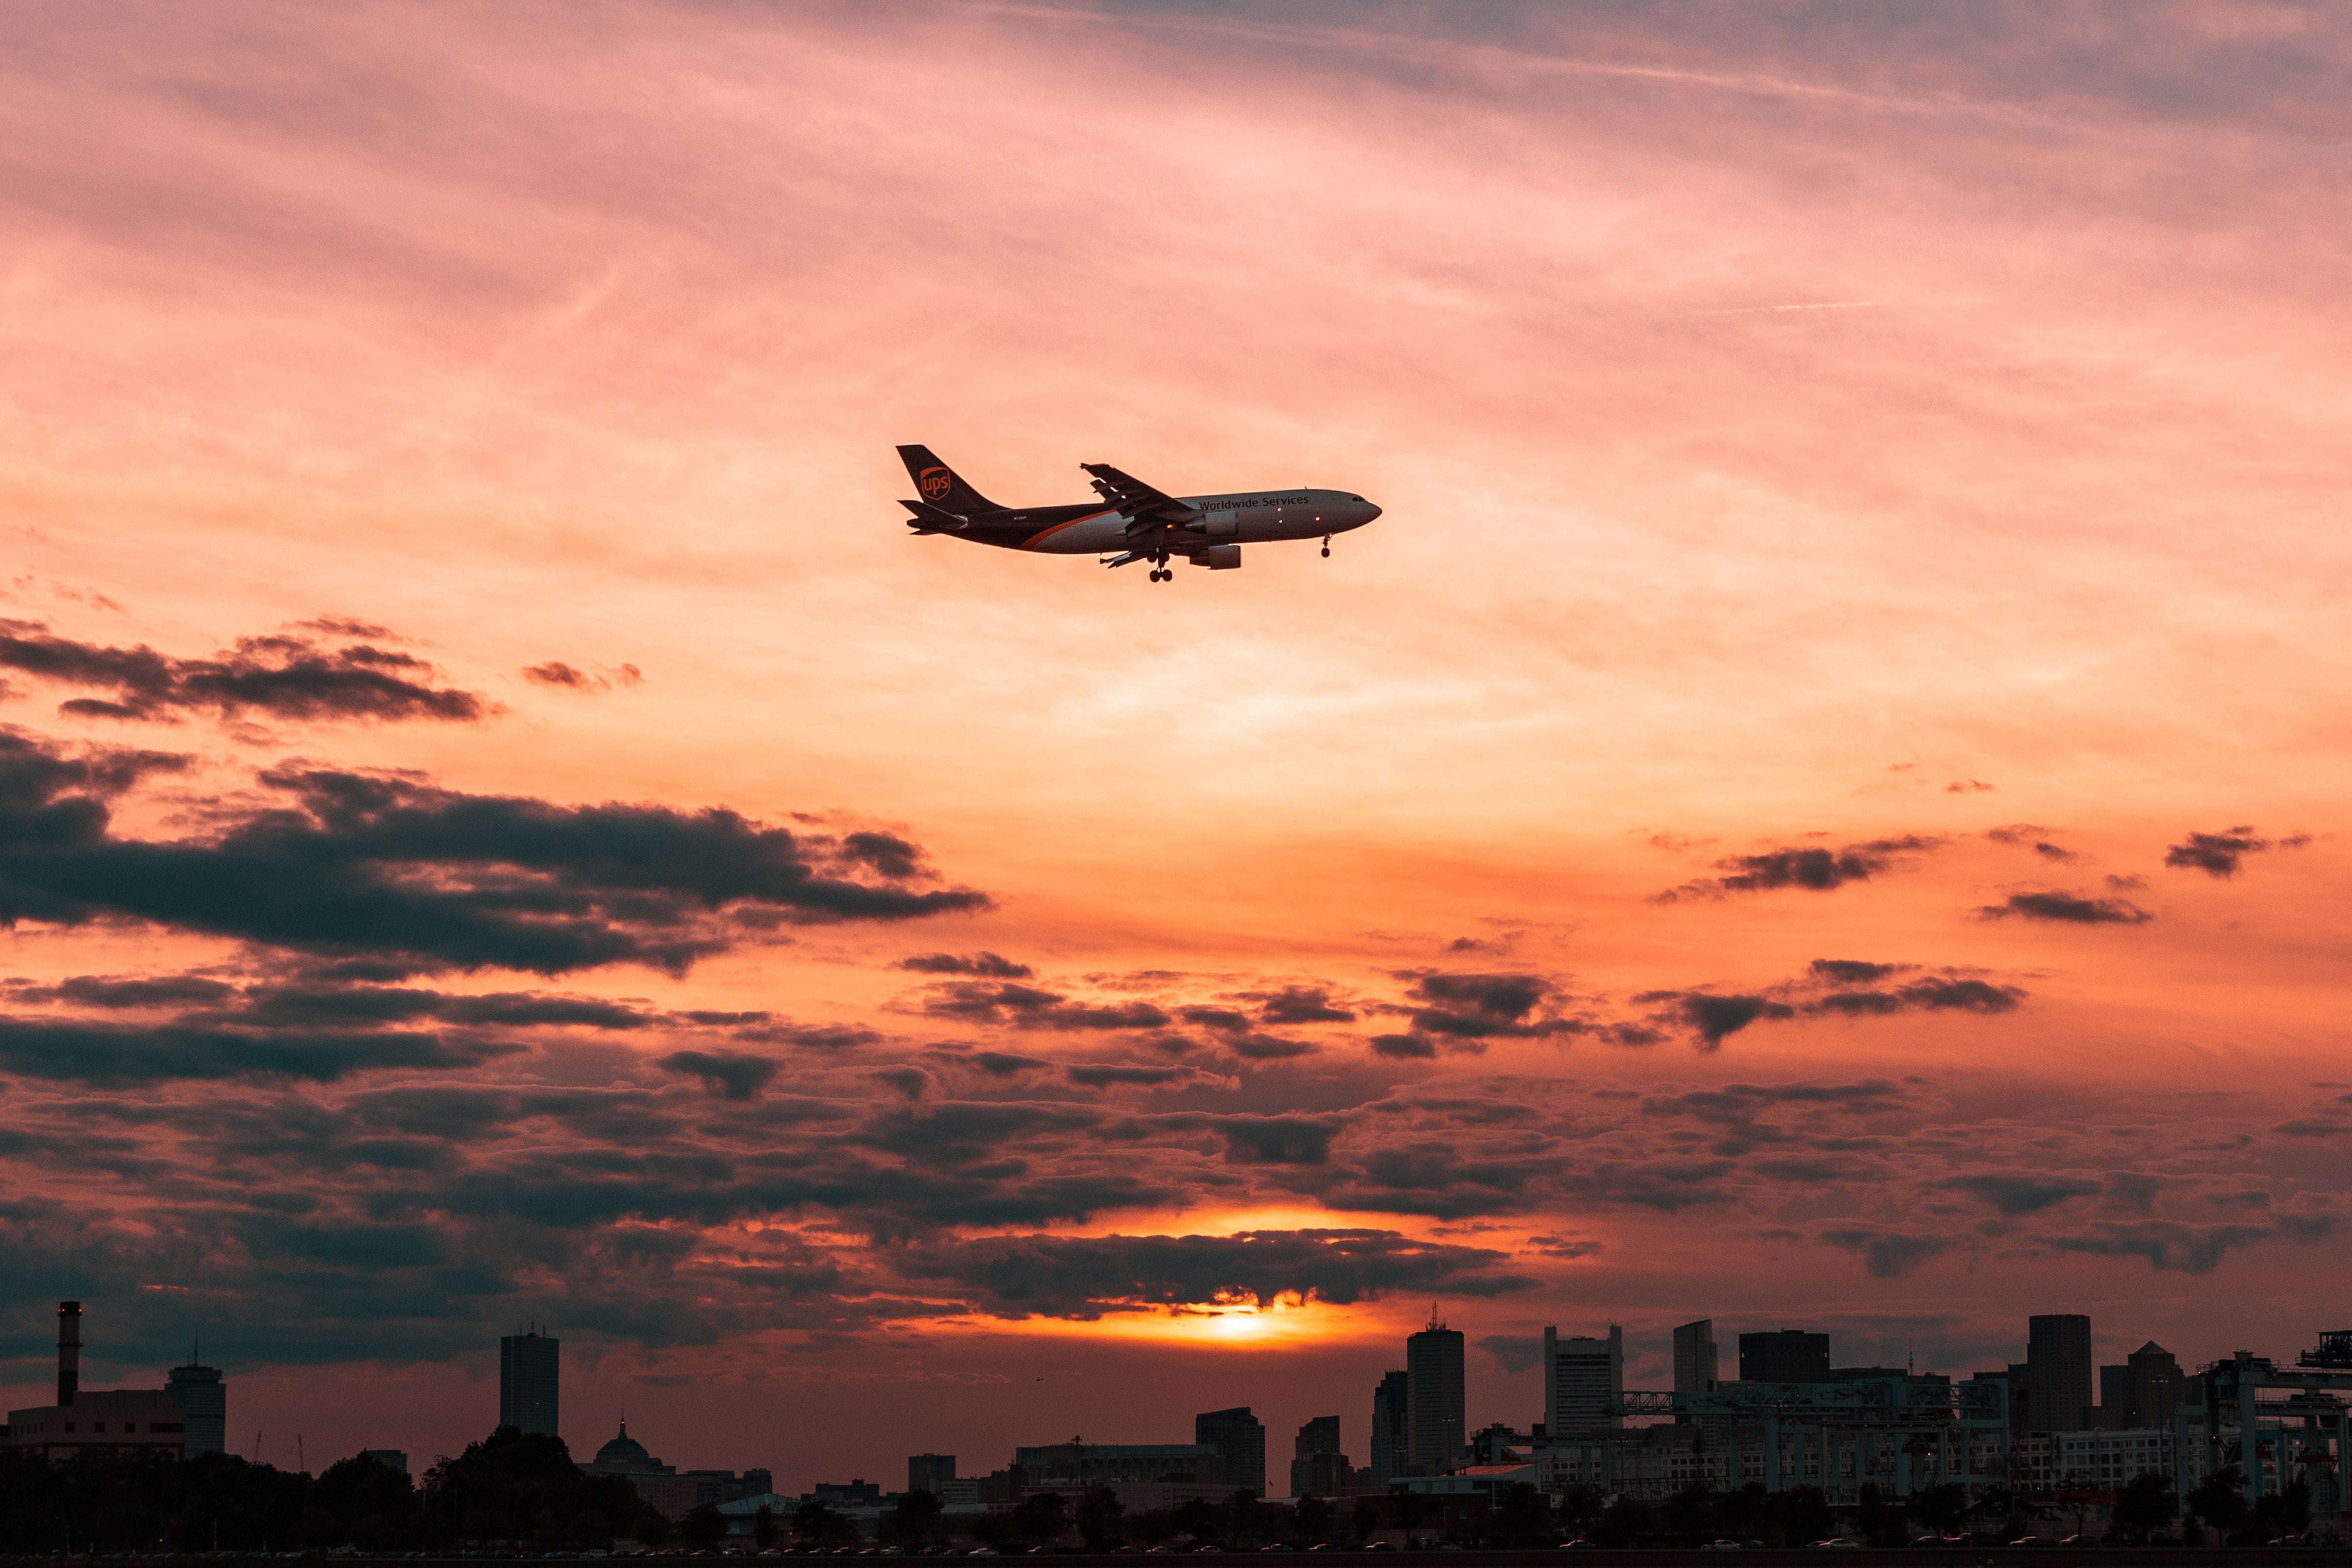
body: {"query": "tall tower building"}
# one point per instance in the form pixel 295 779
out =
pixel 2058 1366
pixel 1583 1376
pixel 203 1399
pixel 1696 1365
pixel 1390 1422
pixel 529 1364
pixel 1239 1438
pixel 2153 1376
pixel 2143 1392
pixel 930 1472
pixel 1436 1430
pixel 69 1351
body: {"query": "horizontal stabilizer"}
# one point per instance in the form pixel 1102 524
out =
pixel 929 518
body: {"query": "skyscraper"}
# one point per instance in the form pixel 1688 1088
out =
pixel 2058 1365
pixel 1319 1439
pixel 1790 1356
pixel 1696 1364
pixel 1434 1425
pixel 1239 1438
pixel 203 1399
pixel 1391 1423
pixel 1583 1376
pixel 529 1364
pixel 930 1472
pixel 2143 1392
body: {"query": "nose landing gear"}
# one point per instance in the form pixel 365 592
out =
pixel 1326 547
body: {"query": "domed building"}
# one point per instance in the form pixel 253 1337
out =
pixel 625 1456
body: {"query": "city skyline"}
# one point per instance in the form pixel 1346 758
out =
pixel 2140 1388
pixel 1818 805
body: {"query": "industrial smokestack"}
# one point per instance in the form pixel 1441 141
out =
pixel 68 1351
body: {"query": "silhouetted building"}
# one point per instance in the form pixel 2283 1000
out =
pixel 1696 1369
pixel 98 1422
pixel 930 1472
pixel 1312 1473
pixel 1785 1355
pixel 623 1455
pixel 1077 1463
pixel 1583 1378
pixel 1434 1398
pixel 530 1365
pixel 2143 1392
pixel 1239 1438
pixel 1500 1443
pixel 1386 1450
pixel 2058 1366
pixel 202 1401
pixel 390 1459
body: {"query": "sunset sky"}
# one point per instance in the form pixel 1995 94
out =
pixel 1818 805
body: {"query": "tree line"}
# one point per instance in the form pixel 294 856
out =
pixel 522 1490
pixel 515 1487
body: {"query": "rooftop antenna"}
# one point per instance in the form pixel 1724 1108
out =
pixel 1434 1323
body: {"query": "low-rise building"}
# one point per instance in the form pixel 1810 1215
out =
pixel 1489 1481
pixel 98 1422
pixel 2108 1462
pixel 1052 1464
pixel 742 1513
pixel 101 1422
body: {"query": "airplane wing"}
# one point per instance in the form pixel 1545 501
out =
pixel 1143 506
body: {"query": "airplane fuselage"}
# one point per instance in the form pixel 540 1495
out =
pixel 1132 521
pixel 1236 516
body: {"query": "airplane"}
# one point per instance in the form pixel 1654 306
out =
pixel 1137 522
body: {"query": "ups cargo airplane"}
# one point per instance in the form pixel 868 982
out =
pixel 1137 522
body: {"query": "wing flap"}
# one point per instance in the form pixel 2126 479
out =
pixel 1143 506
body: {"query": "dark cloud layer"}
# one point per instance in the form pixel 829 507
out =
pixel 2067 909
pixel 1831 987
pixel 397 871
pixel 987 965
pixel 1813 867
pixel 1088 1276
pixel 2224 854
pixel 280 677
pixel 1034 1007
pixel 125 1055
pixel 731 1075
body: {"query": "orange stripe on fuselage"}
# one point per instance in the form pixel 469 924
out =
pixel 1043 535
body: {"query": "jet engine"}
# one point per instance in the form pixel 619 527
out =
pixel 1218 557
pixel 1223 524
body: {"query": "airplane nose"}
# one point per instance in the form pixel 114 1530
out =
pixel 1371 511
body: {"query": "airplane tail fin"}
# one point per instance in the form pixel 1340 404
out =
pixel 942 486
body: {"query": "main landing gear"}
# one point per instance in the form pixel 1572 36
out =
pixel 1160 569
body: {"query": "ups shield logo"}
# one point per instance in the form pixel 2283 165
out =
pixel 935 484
